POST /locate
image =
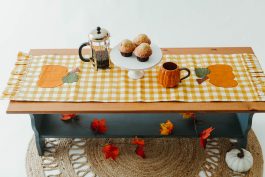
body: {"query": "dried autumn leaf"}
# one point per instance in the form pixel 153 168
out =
pixel 99 126
pixel 140 146
pixel 68 116
pixel 138 141
pixel 166 128
pixel 203 143
pixel 188 115
pixel 110 151
pixel 204 135
pixel 140 151
pixel 207 132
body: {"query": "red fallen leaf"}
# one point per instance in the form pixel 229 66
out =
pixel 110 151
pixel 68 116
pixel 140 146
pixel 99 126
pixel 204 135
pixel 203 143
pixel 207 132
pixel 140 151
pixel 138 141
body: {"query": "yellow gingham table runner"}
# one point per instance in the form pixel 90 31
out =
pixel 113 85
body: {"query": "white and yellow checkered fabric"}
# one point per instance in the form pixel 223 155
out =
pixel 113 85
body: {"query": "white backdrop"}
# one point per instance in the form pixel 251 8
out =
pixel 29 24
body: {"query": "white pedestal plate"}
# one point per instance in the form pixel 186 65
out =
pixel 135 68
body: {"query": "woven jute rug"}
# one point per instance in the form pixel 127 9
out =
pixel 165 157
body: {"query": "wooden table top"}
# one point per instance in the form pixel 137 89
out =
pixel 137 107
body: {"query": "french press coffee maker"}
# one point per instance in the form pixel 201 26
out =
pixel 99 45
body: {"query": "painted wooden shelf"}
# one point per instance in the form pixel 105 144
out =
pixel 142 125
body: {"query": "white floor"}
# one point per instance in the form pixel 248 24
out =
pixel 65 24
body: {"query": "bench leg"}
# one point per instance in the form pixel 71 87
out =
pixel 40 142
pixel 245 120
pixel 242 142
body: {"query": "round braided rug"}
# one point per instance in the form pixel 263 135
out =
pixel 169 157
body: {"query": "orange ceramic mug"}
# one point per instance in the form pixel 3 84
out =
pixel 169 74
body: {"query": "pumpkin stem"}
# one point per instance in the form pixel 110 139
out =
pixel 200 81
pixel 241 153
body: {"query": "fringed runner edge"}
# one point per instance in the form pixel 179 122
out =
pixel 16 75
pixel 256 73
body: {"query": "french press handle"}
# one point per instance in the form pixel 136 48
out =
pixel 80 52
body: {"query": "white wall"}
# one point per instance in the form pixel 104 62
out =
pixel 65 24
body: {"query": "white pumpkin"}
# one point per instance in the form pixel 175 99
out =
pixel 239 160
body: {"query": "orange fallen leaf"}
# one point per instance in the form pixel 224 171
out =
pixel 68 116
pixel 99 126
pixel 166 128
pixel 204 135
pixel 110 151
pixel 188 115
pixel 138 141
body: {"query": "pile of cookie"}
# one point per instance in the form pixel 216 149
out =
pixel 140 47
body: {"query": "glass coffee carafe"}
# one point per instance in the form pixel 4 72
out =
pixel 99 45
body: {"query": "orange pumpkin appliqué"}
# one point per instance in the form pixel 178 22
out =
pixel 51 76
pixel 221 75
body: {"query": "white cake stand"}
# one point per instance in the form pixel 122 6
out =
pixel 135 67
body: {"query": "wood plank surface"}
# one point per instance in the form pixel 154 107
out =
pixel 138 107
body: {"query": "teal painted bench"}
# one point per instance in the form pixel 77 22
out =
pixel 230 119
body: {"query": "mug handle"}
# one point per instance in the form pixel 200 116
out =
pixel 185 77
pixel 80 52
